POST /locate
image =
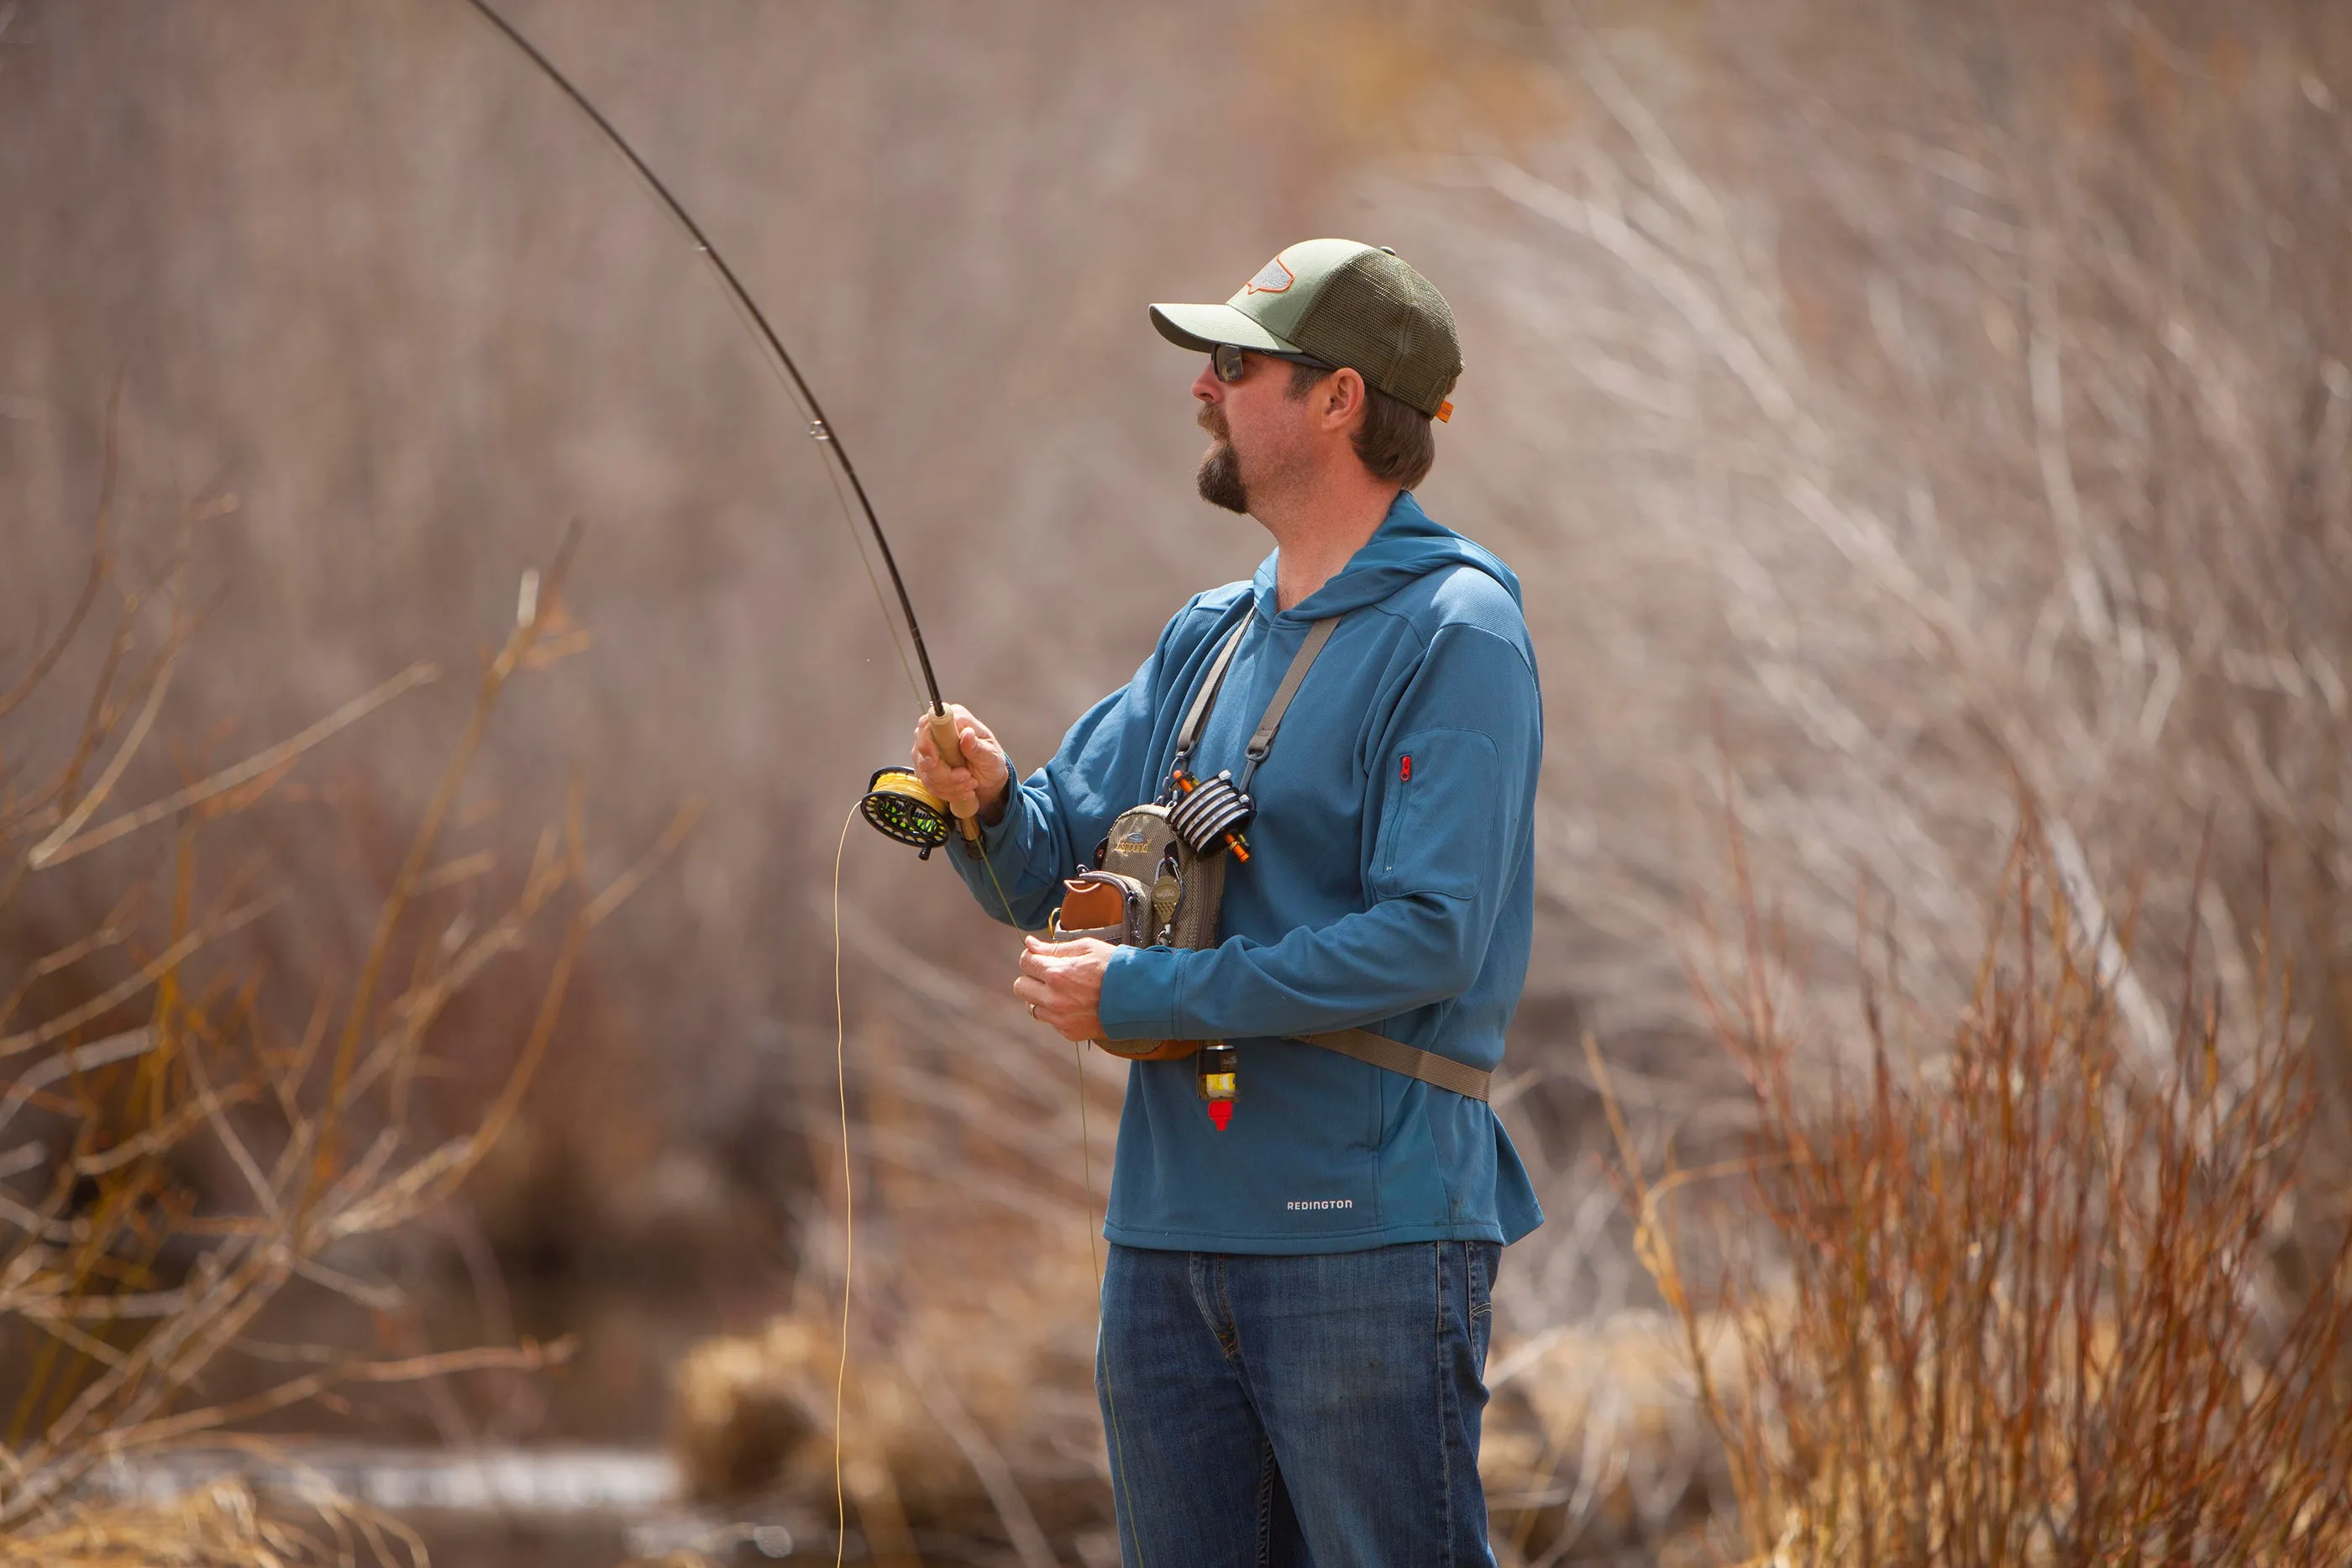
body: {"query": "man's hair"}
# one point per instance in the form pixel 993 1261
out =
pixel 1395 442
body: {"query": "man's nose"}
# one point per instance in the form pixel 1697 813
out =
pixel 1205 386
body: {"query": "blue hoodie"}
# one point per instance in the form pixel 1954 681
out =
pixel 1391 886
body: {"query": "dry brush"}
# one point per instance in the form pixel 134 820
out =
pixel 2004 1295
pixel 177 1166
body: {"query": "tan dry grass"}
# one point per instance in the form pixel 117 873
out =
pixel 218 1526
pixel 1596 1441
pixel 193 1167
pixel 2026 1306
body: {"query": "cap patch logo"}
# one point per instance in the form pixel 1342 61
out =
pixel 1272 279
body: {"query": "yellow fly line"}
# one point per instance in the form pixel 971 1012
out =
pixel 895 785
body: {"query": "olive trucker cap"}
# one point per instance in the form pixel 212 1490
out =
pixel 1343 303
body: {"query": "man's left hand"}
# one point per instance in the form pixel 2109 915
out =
pixel 1062 983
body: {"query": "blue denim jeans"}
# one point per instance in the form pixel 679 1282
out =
pixel 1284 1411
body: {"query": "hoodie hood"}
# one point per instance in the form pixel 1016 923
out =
pixel 1408 544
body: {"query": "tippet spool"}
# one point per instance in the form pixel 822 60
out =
pixel 1211 815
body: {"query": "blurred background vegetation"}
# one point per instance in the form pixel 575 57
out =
pixel 1923 428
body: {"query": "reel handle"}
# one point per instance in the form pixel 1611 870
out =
pixel 950 749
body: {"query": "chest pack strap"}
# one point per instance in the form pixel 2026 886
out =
pixel 1396 1056
pixel 1262 740
pixel 1190 735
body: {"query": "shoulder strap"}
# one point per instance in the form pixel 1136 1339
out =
pixel 1427 1066
pixel 1191 733
pixel 1262 742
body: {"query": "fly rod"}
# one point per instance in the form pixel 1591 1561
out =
pixel 896 802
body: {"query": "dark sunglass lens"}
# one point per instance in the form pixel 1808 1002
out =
pixel 1228 361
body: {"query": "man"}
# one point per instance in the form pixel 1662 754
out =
pixel 1295 1310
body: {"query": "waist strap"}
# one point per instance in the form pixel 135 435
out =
pixel 1398 1057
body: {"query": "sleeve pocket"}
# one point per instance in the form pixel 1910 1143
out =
pixel 1442 824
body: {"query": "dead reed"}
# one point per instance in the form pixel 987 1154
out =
pixel 171 1164
pixel 220 1526
pixel 2015 1303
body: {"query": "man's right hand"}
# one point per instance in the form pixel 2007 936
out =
pixel 986 775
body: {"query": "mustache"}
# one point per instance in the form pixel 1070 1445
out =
pixel 1212 420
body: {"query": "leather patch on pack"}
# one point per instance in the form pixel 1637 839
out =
pixel 1089 906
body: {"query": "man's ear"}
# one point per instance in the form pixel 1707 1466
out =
pixel 1343 395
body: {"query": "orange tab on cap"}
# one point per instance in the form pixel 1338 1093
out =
pixel 1445 411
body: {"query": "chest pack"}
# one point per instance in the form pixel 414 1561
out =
pixel 1158 879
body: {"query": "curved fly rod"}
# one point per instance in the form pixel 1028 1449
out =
pixel 896 802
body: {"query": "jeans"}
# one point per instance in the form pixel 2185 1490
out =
pixel 1284 1411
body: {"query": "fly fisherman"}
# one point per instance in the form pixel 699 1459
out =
pixel 1312 1194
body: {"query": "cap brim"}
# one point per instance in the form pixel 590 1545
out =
pixel 1201 328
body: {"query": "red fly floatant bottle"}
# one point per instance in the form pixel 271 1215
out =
pixel 1220 1065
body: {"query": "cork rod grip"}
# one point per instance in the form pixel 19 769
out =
pixel 949 745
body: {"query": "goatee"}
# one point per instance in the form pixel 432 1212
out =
pixel 1220 479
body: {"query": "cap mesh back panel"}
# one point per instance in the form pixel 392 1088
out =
pixel 1385 320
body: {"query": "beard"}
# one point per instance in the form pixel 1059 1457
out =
pixel 1220 478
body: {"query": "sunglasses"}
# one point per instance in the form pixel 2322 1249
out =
pixel 1227 361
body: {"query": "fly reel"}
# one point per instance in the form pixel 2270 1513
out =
pixel 900 808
